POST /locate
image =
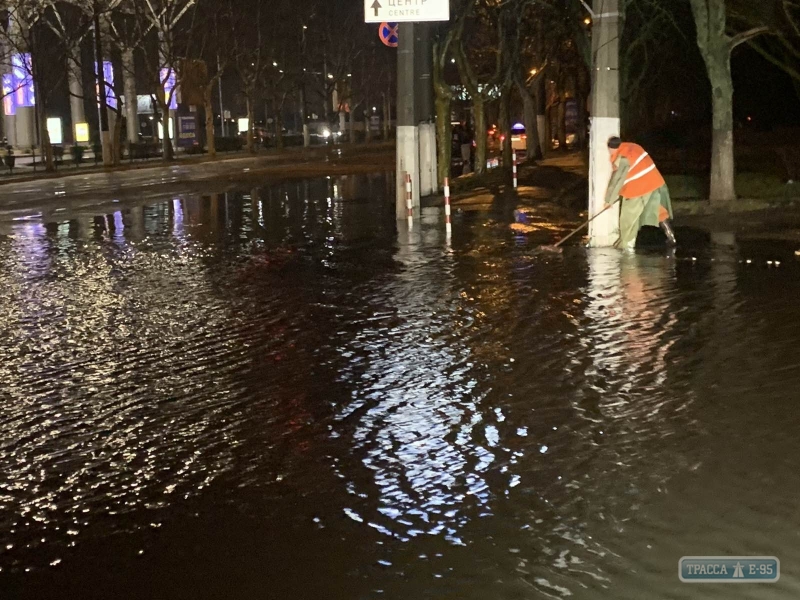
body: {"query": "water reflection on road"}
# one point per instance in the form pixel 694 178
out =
pixel 267 391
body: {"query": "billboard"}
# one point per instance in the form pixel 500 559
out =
pixel 170 84
pixel 21 69
pixel 9 104
pixel 18 88
pixel 108 75
pixel 187 131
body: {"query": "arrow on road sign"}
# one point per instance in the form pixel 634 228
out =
pixel 376 6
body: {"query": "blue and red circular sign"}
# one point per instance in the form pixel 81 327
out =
pixel 388 34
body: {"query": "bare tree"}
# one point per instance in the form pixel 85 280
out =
pixel 252 55
pixel 163 38
pixel 716 46
pixel 481 70
pixel 443 100
pixel 215 31
pixel 39 34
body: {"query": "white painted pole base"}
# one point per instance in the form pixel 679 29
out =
pixel 409 202
pixel 603 231
pixel 514 168
pixel 407 162
pixel 448 225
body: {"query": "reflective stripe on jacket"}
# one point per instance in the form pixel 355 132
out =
pixel 643 176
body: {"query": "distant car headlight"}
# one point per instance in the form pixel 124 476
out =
pixel 326 133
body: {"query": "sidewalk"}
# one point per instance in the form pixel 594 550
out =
pixel 25 170
pixel 142 176
pixel 559 178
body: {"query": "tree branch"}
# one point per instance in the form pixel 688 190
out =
pixel 746 36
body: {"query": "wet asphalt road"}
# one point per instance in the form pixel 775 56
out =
pixel 271 393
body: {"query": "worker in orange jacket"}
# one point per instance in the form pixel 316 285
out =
pixel 645 196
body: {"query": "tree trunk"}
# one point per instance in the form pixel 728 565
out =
pixel 116 138
pixel 444 134
pixel 211 134
pixel 352 125
pixel 279 130
pixel 505 127
pixel 166 141
pixel 367 132
pixel 548 128
pixel 479 116
pixel 304 124
pixel 562 124
pixel 723 168
pixel 443 103
pixel 251 145
pixel 532 149
pixel 715 47
pixel 580 134
pixel 46 147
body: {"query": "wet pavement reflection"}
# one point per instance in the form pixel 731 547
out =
pixel 269 392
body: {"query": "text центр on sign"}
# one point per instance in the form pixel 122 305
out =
pixel 394 11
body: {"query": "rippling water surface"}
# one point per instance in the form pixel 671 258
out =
pixel 272 394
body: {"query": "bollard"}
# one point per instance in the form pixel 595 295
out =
pixel 409 201
pixel 448 225
pixel 514 167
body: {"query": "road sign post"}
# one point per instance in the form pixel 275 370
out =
pixel 414 91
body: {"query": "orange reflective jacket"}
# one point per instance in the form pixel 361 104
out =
pixel 643 176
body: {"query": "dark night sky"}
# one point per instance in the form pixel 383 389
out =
pixel 763 91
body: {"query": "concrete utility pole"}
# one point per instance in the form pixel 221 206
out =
pixel 605 119
pixel 423 58
pixel 407 124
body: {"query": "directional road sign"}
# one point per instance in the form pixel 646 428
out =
pixel 388 34
pixel 395 11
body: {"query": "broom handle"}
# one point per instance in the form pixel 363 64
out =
pixel 585 224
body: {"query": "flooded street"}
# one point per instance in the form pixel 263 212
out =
pixel 270 393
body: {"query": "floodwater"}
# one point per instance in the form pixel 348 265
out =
pixel 270 393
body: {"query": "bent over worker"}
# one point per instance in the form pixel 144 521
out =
pixel 645 196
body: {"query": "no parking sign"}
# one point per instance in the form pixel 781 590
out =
pixel 388 34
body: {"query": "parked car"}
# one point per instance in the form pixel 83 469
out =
pixel 519 138
pixel 323 132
